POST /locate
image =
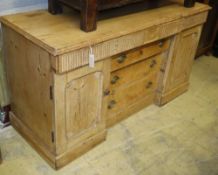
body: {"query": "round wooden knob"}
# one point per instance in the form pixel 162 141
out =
pixel 111 104
pixel 121 59
pixel 150 83
pixel 115 79
pixel 153 63
pixel 107 92
pixel 160 44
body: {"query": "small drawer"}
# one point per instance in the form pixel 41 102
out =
pixel 124 96
pixel 135 71
pixel 194 20
pixel 138 54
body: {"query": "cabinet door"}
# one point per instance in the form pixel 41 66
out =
pixel 83 104
pixel 179 64
pixel 183 59
pixel 80 107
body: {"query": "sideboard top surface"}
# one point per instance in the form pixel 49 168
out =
pixel 61 33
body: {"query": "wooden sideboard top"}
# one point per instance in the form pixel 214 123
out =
pixel 60 34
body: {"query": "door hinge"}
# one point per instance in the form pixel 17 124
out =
pixel 51 92
pixel 52 137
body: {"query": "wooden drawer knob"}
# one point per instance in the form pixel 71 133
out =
pixel 161 43
pixel 107 92
pixel 111 104
pixel 149 84
pixel 114 79
pixel 121 59
pixel 153 63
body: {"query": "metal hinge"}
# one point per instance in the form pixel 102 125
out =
pixel 51 92
pixel 52 137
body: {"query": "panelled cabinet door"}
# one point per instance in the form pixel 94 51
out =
pixel 80 107
pixel 182 60
pixel 83 104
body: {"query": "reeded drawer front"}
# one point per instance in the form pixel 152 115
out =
pixel 126 95
pixel 138 54
pixel 135 71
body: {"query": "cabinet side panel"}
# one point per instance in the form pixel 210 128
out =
pixel 29 77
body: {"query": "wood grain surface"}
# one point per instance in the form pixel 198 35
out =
pixel 61 105
pixel 60 34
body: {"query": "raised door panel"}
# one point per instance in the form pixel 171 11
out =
pixel 83 104
pixel 80 107
pixel 182 60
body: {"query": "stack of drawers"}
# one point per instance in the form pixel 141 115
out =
pixel 134 76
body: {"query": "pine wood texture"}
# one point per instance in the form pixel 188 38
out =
pixel 85 101
pixel 58 35
pixel 138 71
pixel 4 95
pixel 133 86
pixel 29 77
pixel 61 105
pixel 182 54
pixel 135 55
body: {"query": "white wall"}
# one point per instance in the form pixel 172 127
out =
pixel 15 6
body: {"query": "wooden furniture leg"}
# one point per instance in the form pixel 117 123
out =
pixel 88 15
pixel 54 7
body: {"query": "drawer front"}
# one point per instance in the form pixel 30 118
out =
pixel 126 95
pixel 138 54
pixel 194 20
pixel 135 72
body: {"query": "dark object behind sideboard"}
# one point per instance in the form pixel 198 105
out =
pixel 210 29
pixel 215 47
pixel 90 8
pixel 189 3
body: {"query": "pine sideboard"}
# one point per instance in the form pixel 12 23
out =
pixel 62 104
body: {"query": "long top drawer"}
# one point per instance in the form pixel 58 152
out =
pixel 133 56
